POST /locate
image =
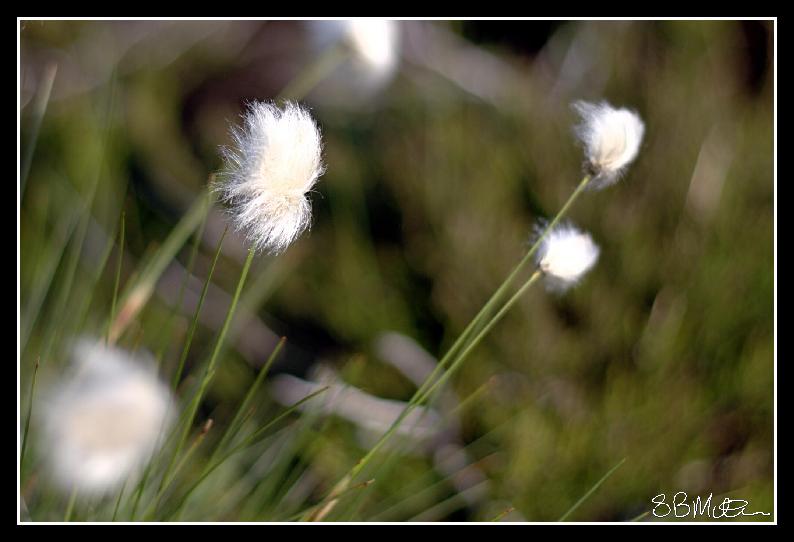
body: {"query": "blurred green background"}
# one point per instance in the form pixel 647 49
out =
pixel 663 355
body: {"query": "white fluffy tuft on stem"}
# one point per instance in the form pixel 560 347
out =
pixel 105 419
pixel 611 139
pixel 565 256
pixel 276 160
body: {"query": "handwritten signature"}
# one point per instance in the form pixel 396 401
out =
pixel 680 507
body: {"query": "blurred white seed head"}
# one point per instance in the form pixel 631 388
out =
pixel 103 421
pixel 373 49
pixel 275 162
pixel 565 255
pixel 376 44
pixel 611 139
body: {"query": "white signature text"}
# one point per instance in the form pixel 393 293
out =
pixel 681 507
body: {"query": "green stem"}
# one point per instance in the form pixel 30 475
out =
pixel 428 386
pixel 70 506
pixel 166 336
pixel 440 382
pixel 237 420
pixel 242 445
pixel 138 291
pixel 57 329
pixel 30 414
pixel 503 513
pixel 592 490
pixel 423 391
pixel 194 323
pixel 155 503
pixel 500 292
pixel 211 367
pixel 118 277
pixel 40 108
pixel 118 501
pixel 473 344
pixel 455 365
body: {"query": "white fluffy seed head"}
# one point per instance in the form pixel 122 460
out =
pixel 375 42
pixel 611 139
pixel 275 162
pixel 565 255
pixel 104 420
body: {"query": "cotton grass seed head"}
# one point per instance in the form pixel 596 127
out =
pixel 275 162
pixel 375 43
pixel 103 421
pixel 611 139
pixel 565 256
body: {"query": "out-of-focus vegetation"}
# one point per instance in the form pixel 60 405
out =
pixel 663 356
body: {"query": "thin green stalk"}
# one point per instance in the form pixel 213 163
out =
pixel 140 488
pixel 417 487
pixel 181 296
pixel 321 512
pixel 211 366
pixel 118 501
pixel 318 511
pixel 639 517
pixel 424 488
pixel 304 443
pixel 196 443
pixel 154 459
pixel 194 322
pixel 155 503
pixel 592 490
pixel 283 502
pixel 30 414
pixel 448 505
pixel 40 108
pixel 441 380
pixel 265 497
pixel 85 291
pixel 259 432
pixel 503 513
pixel 65 288
pixel 88 289
pixel 70 506
pixel 236 422
pixel 455 365
pixel 45 272
pixel 429 386
pixel 138 292
pixel 78 241
pixel 245 443
pixel 499 294
pixel 118 275
pixel 502 289
pixel 475 323
pixel 473 344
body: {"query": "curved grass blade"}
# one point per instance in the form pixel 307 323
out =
pixel 137 294
pixel 247 442
pixel 236 422
pixel 194 323
pixel 166 335
pixel 118 273
pixel 478 323
pixel 592 490
pixel 30 414
pixel 40 108
pixel 211 367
